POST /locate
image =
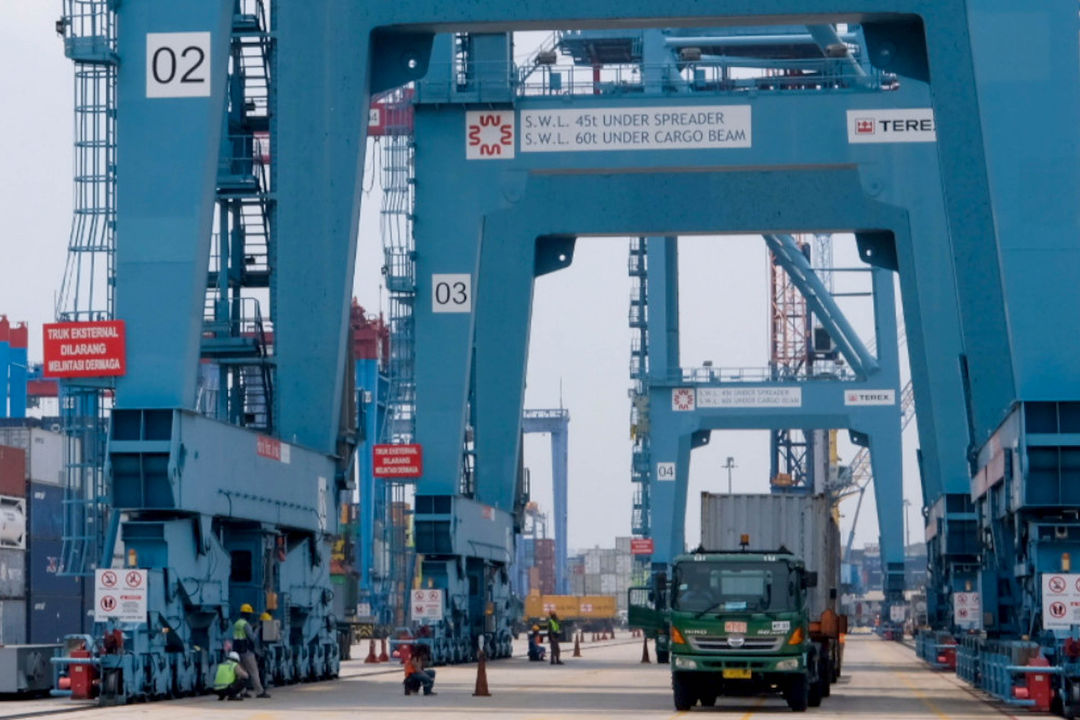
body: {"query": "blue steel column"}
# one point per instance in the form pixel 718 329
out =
pixel 559 450
pixel 367 381
pixel 319 140
pixel 165 204
pixel 1028 105
pixel 886 455
pixel 667 495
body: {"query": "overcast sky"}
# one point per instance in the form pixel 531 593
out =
pixel 580 339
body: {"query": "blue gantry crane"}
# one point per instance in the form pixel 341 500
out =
pixel 919 158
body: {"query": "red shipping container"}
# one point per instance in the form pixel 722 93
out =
pixel 12 471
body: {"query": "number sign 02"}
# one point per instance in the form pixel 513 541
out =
pixel 177 65
pixel 451 293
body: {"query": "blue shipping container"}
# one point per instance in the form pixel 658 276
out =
pixel 45 562
pixel 54 616
pixel 46 511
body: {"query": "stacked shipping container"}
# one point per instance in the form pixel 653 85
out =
pixel 603 571
pixel 48 605
pixel 12 546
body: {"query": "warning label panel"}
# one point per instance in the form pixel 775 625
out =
pixel 1060 600
pixel 120 594
pixel 636 128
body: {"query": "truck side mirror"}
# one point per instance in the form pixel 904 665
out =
pixel 809 580
pixel 661 584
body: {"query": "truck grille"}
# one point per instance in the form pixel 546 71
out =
pixel 708 643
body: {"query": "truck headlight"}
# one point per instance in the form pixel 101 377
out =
pixel 685 663
pixel 789 664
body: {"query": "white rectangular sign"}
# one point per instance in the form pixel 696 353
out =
pixel 967 610
pixel 427 604
pixel 1060 600
pixel 869 397
pixel 891 126
pixel 489 135
pixel 451 293
pixel 749 397
pixel 687 127
pixel 898 613
pixel 665 472
pixel 120 594
pixel 178 65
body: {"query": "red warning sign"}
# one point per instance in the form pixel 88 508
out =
pixel 84 349
pixel 109 579
pixel 641 546
pixel 108 603
pixel 1057 584
pixel 1057 609
pixel 397 461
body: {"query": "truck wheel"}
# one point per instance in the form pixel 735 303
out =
pixel 826 677
pixel 708 699
pixel 683 692
pixel 798 693
pixel 813 698
pixel 662 657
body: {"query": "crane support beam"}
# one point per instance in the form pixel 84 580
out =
pixel 822 303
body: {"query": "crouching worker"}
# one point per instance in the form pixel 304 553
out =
pixel 416 674
pixel 536 648
pixel 231 679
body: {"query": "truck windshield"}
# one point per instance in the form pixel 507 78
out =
pixel 734 586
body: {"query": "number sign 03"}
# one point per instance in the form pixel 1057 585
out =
pixel 177 65
pixel 451 293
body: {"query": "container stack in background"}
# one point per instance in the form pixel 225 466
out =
pixel 48 606
pixel 544 565
pixel 603 571
pixel 12 546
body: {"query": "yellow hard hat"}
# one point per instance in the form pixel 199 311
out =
pixel 265 616
pixel 246 608
pixel 536 627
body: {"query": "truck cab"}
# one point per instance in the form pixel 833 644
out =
pixel 738 624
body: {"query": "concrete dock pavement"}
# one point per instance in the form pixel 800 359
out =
pixel 883 681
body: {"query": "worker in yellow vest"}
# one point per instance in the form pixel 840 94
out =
pixel 245 643
pixel 230 679
pixel 554 630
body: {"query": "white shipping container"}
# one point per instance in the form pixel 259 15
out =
pixel 577 585
pixel 592 564
pixel 802 524
pixel 592 585
pixel 608 584
pixel 623 564
pixel 622 545
pixel 44 452
pixel 607 564
pixel 622 583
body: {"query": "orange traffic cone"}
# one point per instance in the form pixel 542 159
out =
pixel 383 657
pixel 371 653
pixel 645 651
pixel 481 689
pixel 577 647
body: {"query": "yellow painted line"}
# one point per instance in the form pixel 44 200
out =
pixel 918 693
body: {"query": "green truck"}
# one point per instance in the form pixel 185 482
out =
pixel 744 622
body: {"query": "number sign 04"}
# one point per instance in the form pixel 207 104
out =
pixel 451 293
pixel 177 65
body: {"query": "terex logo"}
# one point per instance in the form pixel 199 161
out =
pixel 891 126
pixel 869 397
